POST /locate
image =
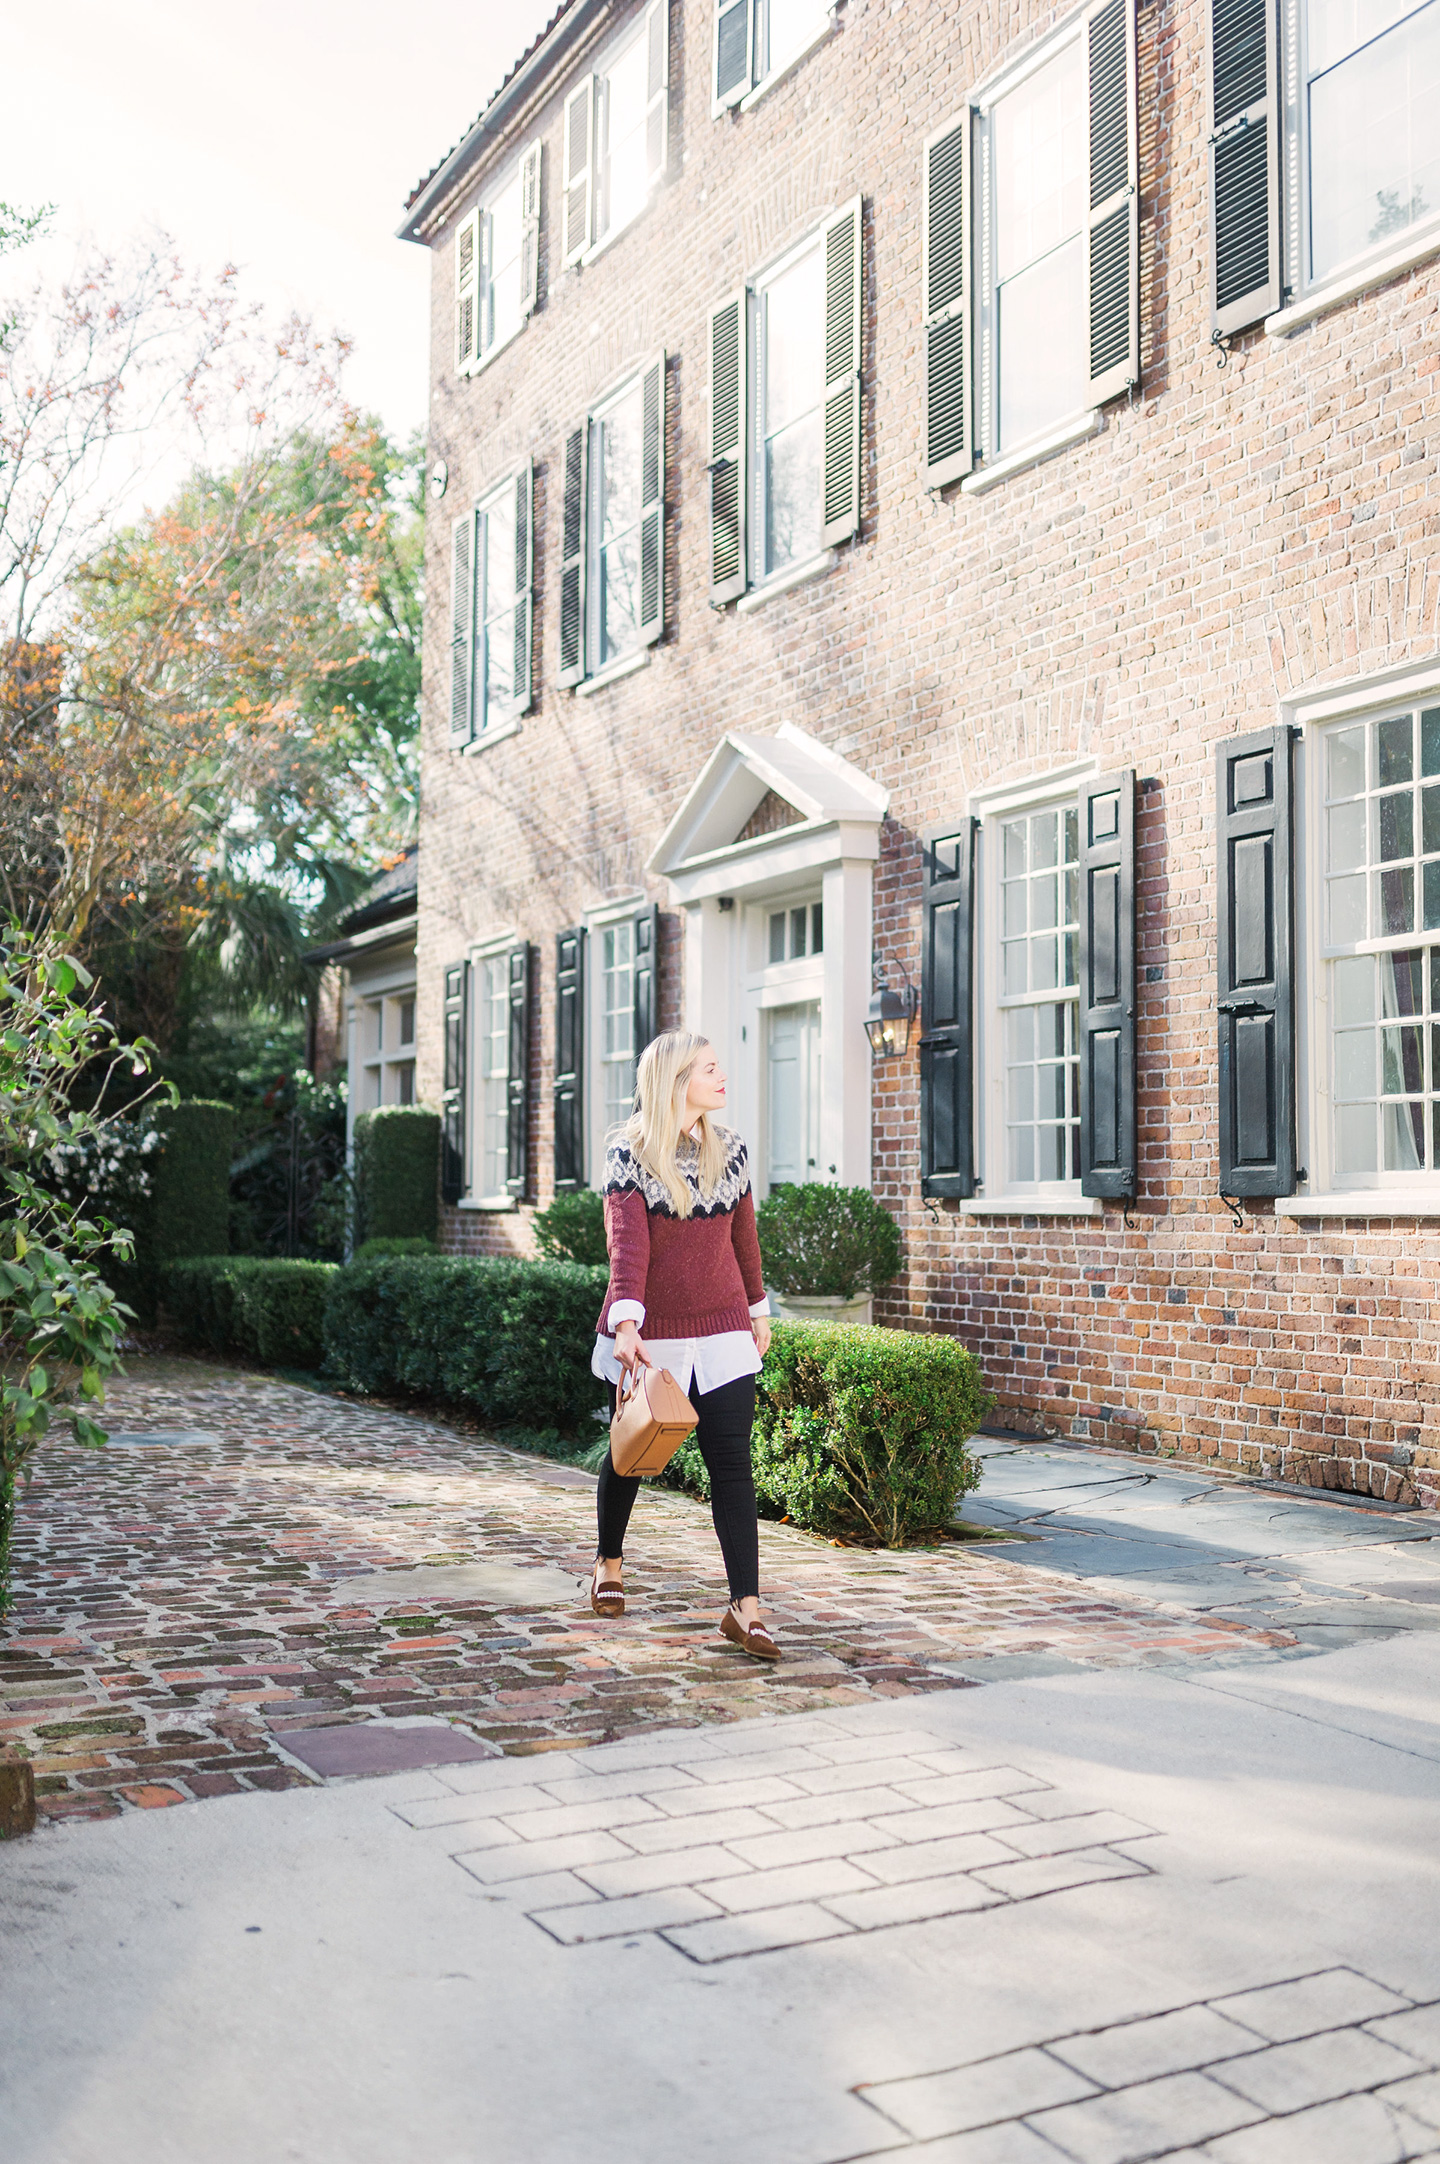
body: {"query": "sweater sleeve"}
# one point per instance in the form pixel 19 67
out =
pixel 627 1236
pixel 747 1252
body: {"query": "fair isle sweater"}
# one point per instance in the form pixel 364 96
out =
pixel 694 1276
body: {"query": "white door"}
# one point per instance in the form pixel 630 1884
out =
pixel 793 1094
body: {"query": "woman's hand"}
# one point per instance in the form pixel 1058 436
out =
pixel 628 1349
pixel 760 1324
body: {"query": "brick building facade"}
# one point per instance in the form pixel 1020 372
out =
pixel 878 454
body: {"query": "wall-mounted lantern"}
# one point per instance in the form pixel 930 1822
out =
pixel 887 1025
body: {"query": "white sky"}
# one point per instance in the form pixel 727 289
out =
pixel 283 135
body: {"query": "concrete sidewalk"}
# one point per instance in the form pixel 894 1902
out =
pixel 1133 1914
pixel 1114 1843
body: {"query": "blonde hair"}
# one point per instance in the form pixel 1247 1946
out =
pixel 654 1128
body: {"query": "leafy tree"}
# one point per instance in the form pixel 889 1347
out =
pixel 60 1324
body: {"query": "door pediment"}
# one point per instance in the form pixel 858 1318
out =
pixel 755 789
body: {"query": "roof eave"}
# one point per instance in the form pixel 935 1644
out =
pixel 511 98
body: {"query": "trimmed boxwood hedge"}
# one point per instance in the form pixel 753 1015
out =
pixel 254 1306
pixel 861 1433
pixel 189 1211
pixel 510 1339
pixel 397 1169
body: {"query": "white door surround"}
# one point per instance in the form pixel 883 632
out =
pixel 727 889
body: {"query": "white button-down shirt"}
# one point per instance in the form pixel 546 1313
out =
pixel 711 1361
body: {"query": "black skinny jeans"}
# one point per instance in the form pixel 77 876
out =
pixel 723 1434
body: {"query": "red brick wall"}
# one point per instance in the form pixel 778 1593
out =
pixel 1232 536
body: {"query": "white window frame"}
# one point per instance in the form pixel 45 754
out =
pixel 496 952
pixel 1306 295
pixel 523 174
pixel 762 583
pixel 485 731
pixel 636 656
pixel 1083 419
pixel 997 1194
pixel 1361 699
pixel 597 922
pixel 637 32
pixel 777 67
pixel 388 992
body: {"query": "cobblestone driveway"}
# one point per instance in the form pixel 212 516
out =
pixel 183 1606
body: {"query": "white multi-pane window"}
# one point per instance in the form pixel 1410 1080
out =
pixel 496 264
pixel 788 415
pixel 757 40
pixel 1381 945
pixel 383 1063
pixel 492 1031
pixel 616 136
pixel 503 582
pixel 1036 897
pixel 1369 128
pixel 616 509
pixel 1037 148
pixel 617 1022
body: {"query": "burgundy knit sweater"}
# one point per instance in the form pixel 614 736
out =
pixel 696 1275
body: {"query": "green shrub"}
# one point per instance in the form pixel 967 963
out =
pixel 368 1250
pixel 861 1433
pixel 820 1239
pixel 512 1340
pixel 572 1228
pixel 189 1210
pixel 397 1161
pixel 252 1306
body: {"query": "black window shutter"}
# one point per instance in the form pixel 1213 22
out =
pixel 1107 985
pixel 572 558
pixel 727 449
pixel 652 500
pixel 1112 258
pixel 1255 823
pixel 517 1105
pixel 733 31
pixel 1244 150
pixel 840 484
pixel 945 280
pixel 647 977
pixel 569 1058
pixel 452 1141
pixel 947 1090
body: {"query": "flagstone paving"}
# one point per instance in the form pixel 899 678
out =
pixel 206 1587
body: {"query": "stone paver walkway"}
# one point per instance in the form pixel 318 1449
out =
pixel 185 1603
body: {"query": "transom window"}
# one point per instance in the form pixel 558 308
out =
pixel 1038 148
pixel 1371 123
pixel 493 1046
pixel 1038 893
pixel 1382 891
pixel 794 933
pixel 789 346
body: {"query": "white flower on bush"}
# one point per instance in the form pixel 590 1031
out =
pixel 110 1163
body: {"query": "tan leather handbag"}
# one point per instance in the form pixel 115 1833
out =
pixel 652 1418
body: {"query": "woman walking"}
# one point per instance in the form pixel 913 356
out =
pixel 685 1265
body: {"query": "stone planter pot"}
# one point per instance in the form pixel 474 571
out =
pixel 820 1307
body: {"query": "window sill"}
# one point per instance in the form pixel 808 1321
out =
pixel 487 737
pixel 1030 454
pixel 814 567
pixel 613 671
pixel 1374 271
pixel 786 68
pixel 597 248
pixel 1031 1206
pixel 479 366
pixel 494 1203
pixel 1366 1202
